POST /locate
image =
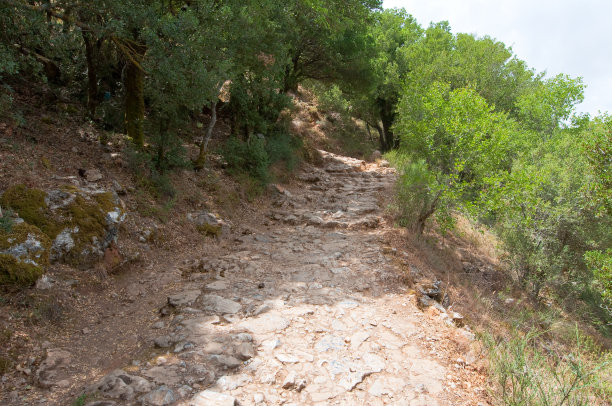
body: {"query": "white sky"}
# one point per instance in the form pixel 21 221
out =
pixel 563 36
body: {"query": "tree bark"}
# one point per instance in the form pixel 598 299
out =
pixel 386 110
pixel 92 75
pixel 134 99
pixel 426 213
pixel 291 80
pixel 199 163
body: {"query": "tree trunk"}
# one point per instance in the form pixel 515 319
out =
pixel 387 122
pixel 164 125
pixel 92 76
pixel 134 90
pixel 370 133
pixel 199 163
pixel 381 136
pixel 134 103
pixel 291 79
pixel 426 214
pixel 386 109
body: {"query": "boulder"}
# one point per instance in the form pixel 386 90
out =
pixel 93 175
pixel 121 385
pixel 81 223
pixel 376 155
pixel 209 224
pixel 54 369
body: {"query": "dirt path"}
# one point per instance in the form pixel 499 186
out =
pixel 310 312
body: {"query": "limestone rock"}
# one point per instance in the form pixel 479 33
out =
pixel 53 368
pixel 209 224
pixel 231 382
pixel 45 283
pixel 163 375
pixel 211 398
pixel 293 382
pixel 226 361
pixel 121 385
pixel 245 351
pixel 163 341
pixel 220 305
pixel 329 342
pixel 265 323
pixel 186 298
pixel 93 175
pixel 161 396
pixel 457 319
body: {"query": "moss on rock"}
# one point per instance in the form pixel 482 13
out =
pixel 30 205
pixel 81 224
pixel 24 255
pixel 14 272
pixel 90 220
pixel 209 230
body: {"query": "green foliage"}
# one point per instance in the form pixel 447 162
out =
pixel 331 99
pixel 282 147
pixel 546 104
pixel 80 400
pixel 17 273
pixel 247 156
pixel 525 374
pixel 597 145
pixel 456 146
pixel 547 217
pixel 600 262
pixel 418 193
pixel 144 168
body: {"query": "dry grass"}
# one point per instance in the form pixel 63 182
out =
pixel 470 263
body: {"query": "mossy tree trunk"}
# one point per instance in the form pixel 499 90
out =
pixel 134 98
pixel 292 74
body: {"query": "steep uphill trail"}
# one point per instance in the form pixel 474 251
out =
pixel 311 311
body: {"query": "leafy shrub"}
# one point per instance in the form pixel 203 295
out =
pixel 419 194
pixel 144 167
pixel 332 99
pixel 247 156
pixel 601 264
pixel 282 147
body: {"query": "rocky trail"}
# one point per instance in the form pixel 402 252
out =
pixel 311 311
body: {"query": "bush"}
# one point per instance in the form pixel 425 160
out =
pixel 282 147
pixel 331 99
pixel 149 177
pixel 419 194
pixel 601 264
pixel 247 156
